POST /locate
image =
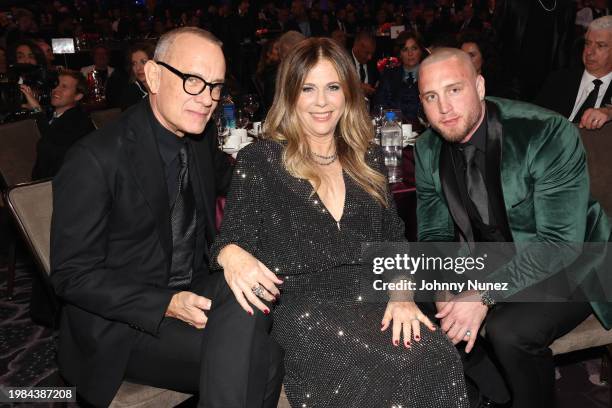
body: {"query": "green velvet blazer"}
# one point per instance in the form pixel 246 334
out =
pixel 538 162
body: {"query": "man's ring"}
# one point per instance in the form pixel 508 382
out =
pixel 468 333
pixel 258 291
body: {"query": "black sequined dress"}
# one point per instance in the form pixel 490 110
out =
pixel 335 354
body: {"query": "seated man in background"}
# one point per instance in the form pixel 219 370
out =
pixel 585 96
pixel 363 52
pixel 67 125
pixel 112 80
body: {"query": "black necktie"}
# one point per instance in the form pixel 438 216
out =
pixel 362 73
pixel 589 101
pixel 183 221
pixel 476 188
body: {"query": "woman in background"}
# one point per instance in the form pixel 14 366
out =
pixel 137 88
pixel 398 87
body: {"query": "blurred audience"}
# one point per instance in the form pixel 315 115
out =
pixel 398 85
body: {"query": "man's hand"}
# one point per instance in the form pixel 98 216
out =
pixel 189 307
pixel 30 97
pixel 367 89
pixel 464 313
pixel 595 118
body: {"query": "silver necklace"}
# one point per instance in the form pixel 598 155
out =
pixel 554 6
pixel 327 160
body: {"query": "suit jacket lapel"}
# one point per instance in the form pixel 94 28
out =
pixel 607 99
pixel 451 192
pixel 494 167
pixel 148 173
pixel 572 92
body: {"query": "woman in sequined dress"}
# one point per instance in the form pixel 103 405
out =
pixel 301 204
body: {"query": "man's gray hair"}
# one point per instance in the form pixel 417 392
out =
pixel 601 23
pixel 165 41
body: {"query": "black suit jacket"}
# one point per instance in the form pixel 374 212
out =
pixel 111 245
pixel 373 74
pixel 394 92
pixel 560 90
pixel 57 138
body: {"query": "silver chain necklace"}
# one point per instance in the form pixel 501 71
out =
pixel 554 6
pixel 327 159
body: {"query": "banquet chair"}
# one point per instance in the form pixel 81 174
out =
pixel 17 156
pixel 31 205
pixel 101 117
pixel 590 333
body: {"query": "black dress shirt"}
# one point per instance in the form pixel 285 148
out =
pixel 169 145
pixel 482 231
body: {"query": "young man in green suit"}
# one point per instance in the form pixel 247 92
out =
pixel 494 170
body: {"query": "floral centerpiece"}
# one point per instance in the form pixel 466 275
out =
pixel 387 62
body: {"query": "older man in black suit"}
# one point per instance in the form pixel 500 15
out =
pixel 133 219
pixel 585 96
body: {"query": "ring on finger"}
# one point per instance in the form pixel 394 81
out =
pixel 258 290
pixel 468 333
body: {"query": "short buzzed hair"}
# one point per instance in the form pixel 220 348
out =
pixel 165 41
pixel 444 53
pixel 601 23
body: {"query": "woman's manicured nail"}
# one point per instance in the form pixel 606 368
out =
pixel 395 342
pixel 250 313
pixel 266 311
pixel 417 337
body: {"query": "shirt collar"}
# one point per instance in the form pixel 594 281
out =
pixel 414 70
pixel 168 143
pixel 588 78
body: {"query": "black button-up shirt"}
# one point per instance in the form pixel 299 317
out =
pixel 482 231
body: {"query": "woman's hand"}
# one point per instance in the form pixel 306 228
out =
pixel 407 319
pixel 248 278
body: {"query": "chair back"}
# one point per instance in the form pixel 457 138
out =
pixel 101 117
pixel 17 151
pixel 31 205
pixel 259 87
pixel 598 146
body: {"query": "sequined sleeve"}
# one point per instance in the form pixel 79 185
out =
pixel 242 216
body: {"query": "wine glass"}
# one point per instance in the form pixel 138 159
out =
pixel 242 120
pixel 250 104
pixel 221 124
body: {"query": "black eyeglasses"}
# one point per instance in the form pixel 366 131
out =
pixel 194 85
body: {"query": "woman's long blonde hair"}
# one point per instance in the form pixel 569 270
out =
pixel 353 134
